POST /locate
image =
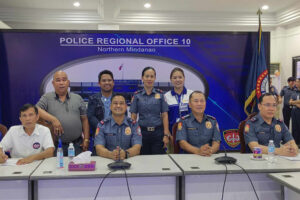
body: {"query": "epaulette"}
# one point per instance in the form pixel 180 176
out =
pixel 138 91
pixel 103 121
pixel 159 90
pixel 211 117
pixel 253 119
pixel 185 117
pixel 279 120
pixel 131 120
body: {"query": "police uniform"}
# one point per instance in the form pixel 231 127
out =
pixel 110 134
pixel 21 145
pixel 296 118
pixel 287 93
pixel 149 108
pixel 257 130
pixel 178 105
pixel 196 133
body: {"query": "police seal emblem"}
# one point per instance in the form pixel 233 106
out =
pixel 208 125
pixel 127 130
pixel 278 128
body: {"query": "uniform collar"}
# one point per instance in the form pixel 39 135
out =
pixel 184 91
pixel 261 120
pixel 153 91
pixel 193 117
pixel 124 121
pixel 57 97
pixel 35 131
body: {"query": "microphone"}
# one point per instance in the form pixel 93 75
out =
pixel 225 159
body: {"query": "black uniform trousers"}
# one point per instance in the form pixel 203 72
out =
pixel 152 141
pixel 286 112
pixel 296 125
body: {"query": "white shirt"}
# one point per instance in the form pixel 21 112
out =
pixel 21 145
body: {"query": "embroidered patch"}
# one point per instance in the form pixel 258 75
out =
pixel 138 131
pixel 278 128
pixel 247 127
pixel 36 145
pixel 97 131
pixel 179 127
pixel 208 125
pixel 127 130
pixel 157 96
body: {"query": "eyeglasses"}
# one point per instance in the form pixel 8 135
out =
pixel 269 105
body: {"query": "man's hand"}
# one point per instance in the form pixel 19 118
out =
pixel 26 160
pixel 3 158
pixel 118 154
pixel 85 145
pixel 205 150
pixel 58 129
pixel 287 150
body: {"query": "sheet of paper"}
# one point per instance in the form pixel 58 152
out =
pixel 10 162
pixel 297 158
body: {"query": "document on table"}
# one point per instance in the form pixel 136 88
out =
pixel 10 162
pixel 296 158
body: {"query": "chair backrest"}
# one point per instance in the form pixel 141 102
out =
pixel 244 148
pixel 3 129
pixel 175 144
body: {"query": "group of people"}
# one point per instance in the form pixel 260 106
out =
pixel 147 130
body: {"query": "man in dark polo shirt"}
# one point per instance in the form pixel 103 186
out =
pixel 67 113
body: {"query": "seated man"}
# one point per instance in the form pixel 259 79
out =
pixel 264 127
pixel 197 132
pixel 118 137
pixel 29 141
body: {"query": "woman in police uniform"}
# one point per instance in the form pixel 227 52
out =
pixel 177 98
pixel 149 103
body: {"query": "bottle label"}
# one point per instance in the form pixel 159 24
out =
pixel 71 153
pixel 271 149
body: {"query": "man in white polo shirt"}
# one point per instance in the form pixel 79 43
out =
pixel 29 141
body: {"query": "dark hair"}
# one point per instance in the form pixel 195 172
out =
pixel 196 92
pixel 117 95
pixel 291 79
pixel 147 68
pixel 26 107
pixel 176 69
pixel 261 98
pixel 105 72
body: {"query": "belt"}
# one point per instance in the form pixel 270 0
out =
pixel 150 128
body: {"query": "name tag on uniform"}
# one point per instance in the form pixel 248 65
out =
pixel 191 128
pixel 183 107
pixel 261 132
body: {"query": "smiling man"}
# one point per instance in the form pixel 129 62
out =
pixel 197 132
pixel 29 141
pixel 264 127
pixel 67 113
pixel 118 137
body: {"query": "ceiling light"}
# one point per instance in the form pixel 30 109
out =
pixel 76 4
pixel 265 7
pixel 147 5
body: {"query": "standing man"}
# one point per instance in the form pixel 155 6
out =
pixel 286 93
pixel 99 104
pixel 295 102
pixel 67 113
pixel 264 127
pixel 29 141
pixel 118 136
pixel 197 132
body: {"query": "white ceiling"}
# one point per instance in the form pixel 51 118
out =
pixel 163 15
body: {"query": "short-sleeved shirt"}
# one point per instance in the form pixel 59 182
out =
pixel 257 130
pixel 68 113
pixel 296 96
pixel 286 93
pixel 110 134
pixel 178 105
pixel 196 133
pixel 149 107
pixel 21 145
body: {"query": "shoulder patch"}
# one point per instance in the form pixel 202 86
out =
pixel 211 117
pixel 102 122
pixel 179 126
pixel 247 128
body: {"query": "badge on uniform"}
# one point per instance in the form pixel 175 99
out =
pixel 278 128
pixel 138 131
pixel 208 125
pixel 157 96
pixel 127 130
pixel 36 145
pixel 247 127
pixel 179 127
pixel 97 131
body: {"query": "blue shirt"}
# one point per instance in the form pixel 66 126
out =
pixel 287 93
pixel 257 130
pixel 196 133
pixel 110 134
pixel 178 105
pixel 296 96
pixel 149 107
pixel 106 102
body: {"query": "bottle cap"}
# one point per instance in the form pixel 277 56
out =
pixel 71 144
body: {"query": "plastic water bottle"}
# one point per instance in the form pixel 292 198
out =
pixel 71 151
pixel 271 151
pixel 60 155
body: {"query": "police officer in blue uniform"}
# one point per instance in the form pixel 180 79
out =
pixel 197 132
pixel 295 102
pixel 286 93
pixel 264 127
pixel 152 108
pixel 118 136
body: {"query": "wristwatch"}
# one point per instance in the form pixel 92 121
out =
pixel 127 154
pixel 86 140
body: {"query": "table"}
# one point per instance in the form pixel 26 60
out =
pixel 291 183
pixel 150 177
pixel 14 181
pixel 203 178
